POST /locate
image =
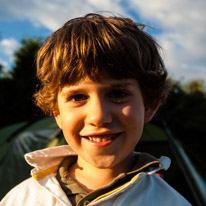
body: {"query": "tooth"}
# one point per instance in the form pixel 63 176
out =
pixel 100 139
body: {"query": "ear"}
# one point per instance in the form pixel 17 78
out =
pixel 151 111
pixel 57 118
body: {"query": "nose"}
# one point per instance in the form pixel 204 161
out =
pixel 98 113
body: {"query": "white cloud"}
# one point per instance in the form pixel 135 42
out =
pixel 183 36
pixel 4 64
pixel 7 49
pixel 8 46
pixel 53 13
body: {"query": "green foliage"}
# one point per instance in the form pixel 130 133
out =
pixel 4 74
pixel 193 86
pixel 16 103
pixel 1 70
pixel 185 114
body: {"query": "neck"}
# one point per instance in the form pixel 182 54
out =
pixel 91 178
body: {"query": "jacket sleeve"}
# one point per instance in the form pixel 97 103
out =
pixel 28 193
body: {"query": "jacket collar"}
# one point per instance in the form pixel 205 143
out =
pixel 47 161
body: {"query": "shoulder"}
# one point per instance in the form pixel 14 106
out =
pixel 29 192
pixel 153 189
pixel 166 193
pixel 143 189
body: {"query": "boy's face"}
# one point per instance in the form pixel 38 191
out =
pixel 102 121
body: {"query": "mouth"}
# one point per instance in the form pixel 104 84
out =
pixel 105 138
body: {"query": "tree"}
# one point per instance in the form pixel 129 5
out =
pixel 1 70
pixel 185 112
pixel 16 92
pixel 194 86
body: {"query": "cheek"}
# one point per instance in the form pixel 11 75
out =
pixel 134 122
pixel 127 112
pixel 71 125
pixel 133 114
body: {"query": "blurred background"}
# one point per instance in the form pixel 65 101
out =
pixel 179 128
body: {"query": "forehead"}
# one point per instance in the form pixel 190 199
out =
pixel 104 82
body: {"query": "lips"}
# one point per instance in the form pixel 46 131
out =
pixel 103 139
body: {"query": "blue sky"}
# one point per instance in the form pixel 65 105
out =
pixel 179 27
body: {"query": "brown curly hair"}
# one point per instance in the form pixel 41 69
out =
pixel 94 45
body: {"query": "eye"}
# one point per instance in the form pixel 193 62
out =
pixel 118 96
pixel 77 98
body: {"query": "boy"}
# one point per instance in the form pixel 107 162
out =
pixel 102 78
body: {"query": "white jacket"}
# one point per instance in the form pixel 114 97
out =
pixel 144 189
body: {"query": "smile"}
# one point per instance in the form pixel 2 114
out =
pixel 102 140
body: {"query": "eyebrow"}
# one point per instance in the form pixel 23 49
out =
pixel 124 84
pixel 76 89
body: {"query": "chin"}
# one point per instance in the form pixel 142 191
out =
pixel 104 162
